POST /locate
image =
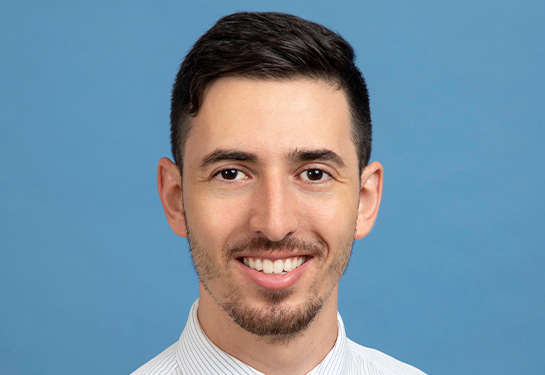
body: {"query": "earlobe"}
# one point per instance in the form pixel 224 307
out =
pixel 169 185
pixel 370 196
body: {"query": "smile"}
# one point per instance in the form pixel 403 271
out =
pixel 276 267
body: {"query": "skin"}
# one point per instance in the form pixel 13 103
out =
pixel 271 137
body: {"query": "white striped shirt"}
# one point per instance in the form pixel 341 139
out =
pixel 195 354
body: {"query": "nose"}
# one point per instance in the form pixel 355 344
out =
pixel 274 209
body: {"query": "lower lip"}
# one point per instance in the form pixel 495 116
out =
pixel 272 281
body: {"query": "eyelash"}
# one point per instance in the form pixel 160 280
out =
pixel 218 174
pixel 325 174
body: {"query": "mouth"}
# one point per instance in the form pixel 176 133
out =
pixel 274 266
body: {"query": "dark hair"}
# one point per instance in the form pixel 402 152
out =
pixel 268 46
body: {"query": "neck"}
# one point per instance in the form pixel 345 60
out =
pixel 294 355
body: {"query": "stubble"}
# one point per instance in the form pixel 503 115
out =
pixel 275 321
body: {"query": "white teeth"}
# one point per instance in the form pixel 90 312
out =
pixel 287 265
pixel 267 266
pixel 276 267
pixel 258 264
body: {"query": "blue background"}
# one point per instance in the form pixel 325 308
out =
pixel 451 279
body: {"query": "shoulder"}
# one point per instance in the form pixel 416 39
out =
pixel 164 364
pixel 374 362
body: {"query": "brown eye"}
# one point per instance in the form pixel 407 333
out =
pixel 315 174
pixel 230 174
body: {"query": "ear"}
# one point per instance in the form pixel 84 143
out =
pixel 169 184
pixel 370 195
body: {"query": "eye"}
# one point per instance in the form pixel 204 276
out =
pixel 231 174
pixel 314 175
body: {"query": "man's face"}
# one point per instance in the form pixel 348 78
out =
pixel 271 181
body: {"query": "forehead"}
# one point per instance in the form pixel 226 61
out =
pixel 270 117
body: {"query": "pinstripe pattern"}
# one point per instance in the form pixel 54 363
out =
pixel 195 354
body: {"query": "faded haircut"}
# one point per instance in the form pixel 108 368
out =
pixel 268 45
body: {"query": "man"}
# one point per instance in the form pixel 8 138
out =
pixel 271 137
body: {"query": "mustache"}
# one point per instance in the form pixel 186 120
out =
pixel 260 244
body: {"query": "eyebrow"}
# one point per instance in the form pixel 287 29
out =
pixel 316 155
pixel 221 155
pixel 293 156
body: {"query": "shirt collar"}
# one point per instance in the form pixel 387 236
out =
pixel 197 355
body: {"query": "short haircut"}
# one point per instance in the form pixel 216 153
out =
pixel 268 45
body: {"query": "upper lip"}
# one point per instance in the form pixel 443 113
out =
pixel 273 255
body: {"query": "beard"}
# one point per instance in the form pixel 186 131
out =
pixel 275 321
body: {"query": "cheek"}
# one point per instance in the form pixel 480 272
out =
pixel 333 218
pixel 214 219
